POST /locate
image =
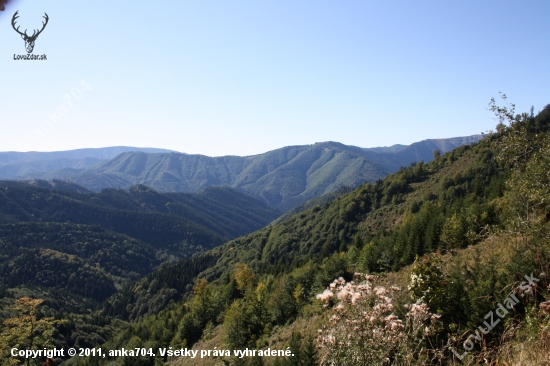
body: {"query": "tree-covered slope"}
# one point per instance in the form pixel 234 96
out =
pixel 465 178
pixel 71 261
pixel 82 247
pixel 180 224
pixel 317 201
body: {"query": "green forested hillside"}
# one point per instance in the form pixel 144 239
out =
pixel 180 224
pixel 419 199
pixel 317 201
pixel 72 262
pixel 78 247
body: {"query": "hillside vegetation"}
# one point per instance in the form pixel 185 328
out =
pixel 79 265
pixel 446 232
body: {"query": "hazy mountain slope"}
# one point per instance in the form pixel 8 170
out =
pixel 38 168
pixel 102 153
pixel 385 149
pixel 423 150
pixel 35 165
pixel 172 172
pixel 312 171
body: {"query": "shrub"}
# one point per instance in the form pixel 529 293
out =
pixel 362 328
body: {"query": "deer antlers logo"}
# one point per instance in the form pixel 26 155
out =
pixel 29 40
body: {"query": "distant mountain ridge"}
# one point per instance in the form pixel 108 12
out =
pixel 103 153
pixel 284 178
pixel 423 150
pixel 37 164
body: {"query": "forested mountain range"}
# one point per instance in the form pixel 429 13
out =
pixel 283 178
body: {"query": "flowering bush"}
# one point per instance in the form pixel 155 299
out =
pixel 362 328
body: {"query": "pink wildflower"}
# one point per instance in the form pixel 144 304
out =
pixel 325 296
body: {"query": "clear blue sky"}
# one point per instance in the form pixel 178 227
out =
pixel 244 77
